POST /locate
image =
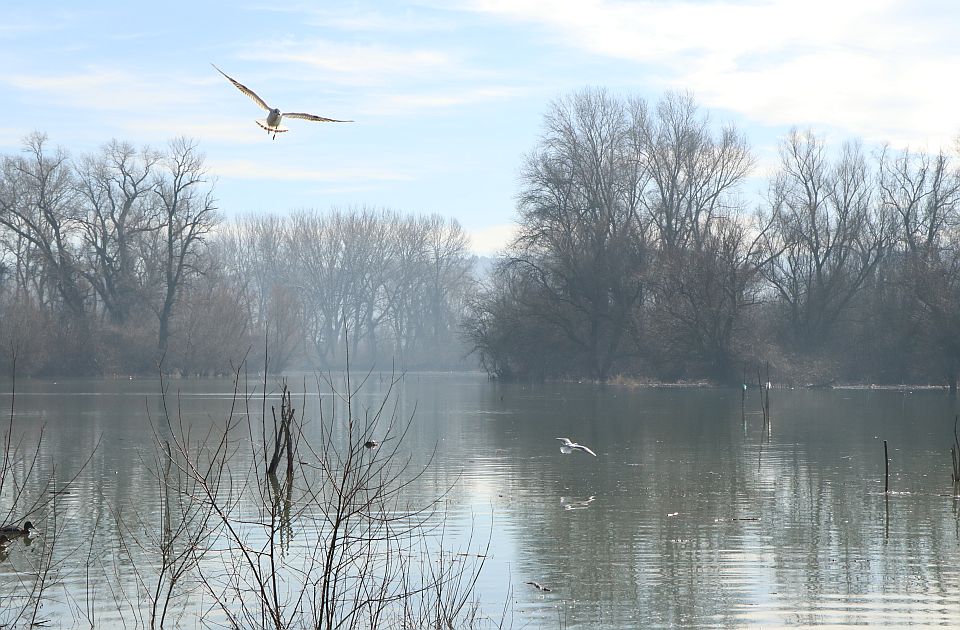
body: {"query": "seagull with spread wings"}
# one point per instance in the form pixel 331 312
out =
pixel 570 446
pixel 272 122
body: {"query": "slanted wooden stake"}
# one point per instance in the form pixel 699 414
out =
pixel 281 433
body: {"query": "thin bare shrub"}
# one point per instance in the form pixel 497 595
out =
pixel 173 541
pixel 273 519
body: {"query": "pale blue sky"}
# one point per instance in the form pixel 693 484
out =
pixel 449 96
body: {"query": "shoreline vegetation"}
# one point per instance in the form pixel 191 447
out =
pixel 640 383
pixel 619 380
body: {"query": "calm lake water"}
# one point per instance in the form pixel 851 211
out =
pixel 689 516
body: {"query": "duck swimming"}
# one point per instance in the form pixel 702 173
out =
pixel 9 532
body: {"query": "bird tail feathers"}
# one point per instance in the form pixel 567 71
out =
pixel 278 129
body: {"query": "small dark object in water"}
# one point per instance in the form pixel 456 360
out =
pixel 539 586
pixel 371 444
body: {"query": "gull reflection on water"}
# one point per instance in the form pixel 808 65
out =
pixel 576 503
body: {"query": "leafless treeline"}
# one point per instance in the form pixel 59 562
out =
pixel 393 286
pixel 638 253
pixel 113 261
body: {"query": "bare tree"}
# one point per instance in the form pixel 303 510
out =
pixel 692 174
pixel 447 279
pixel 581 238
pixel 387 283
pixel 188 214
pixel 923 194
pixel 257 254
pixel 211 330
pixel 516 327
pixel 923 191
pixel 23 266
pixel 617 201
pixel 702 321
pixel 828 230
pixel 117 187
pixel 367 263
pixel 422 291
pixel 702 273
pixel 38 206
pixel 403 287
pixel 319 252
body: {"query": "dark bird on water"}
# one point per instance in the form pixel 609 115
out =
pixel 10 532
pixel 539 586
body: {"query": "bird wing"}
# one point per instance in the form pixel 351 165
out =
pixel 583 448
pixel 566 441
pixel 312 117
pixel 240 86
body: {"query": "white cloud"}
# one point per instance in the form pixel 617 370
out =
pixel 353 64
pixel 407 102
pixel 149 107
pixel 102 89
pixel 233 131
pixel 378 79
pixel 252 169
pixel 365 20
pixel 11 136
pixel 21 21
pixel 20 28
pixel 491 239
pixel 877 68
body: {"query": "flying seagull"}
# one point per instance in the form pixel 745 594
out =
pixel 272 122
pixel 568 447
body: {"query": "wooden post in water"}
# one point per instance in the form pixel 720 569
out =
pixel 955 457
pixel 766 403
pixel 886 469
pixel 763 406
pixel 764 400
pixel 743 398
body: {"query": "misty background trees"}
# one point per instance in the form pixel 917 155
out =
pixel 114 262
pixel 647 245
